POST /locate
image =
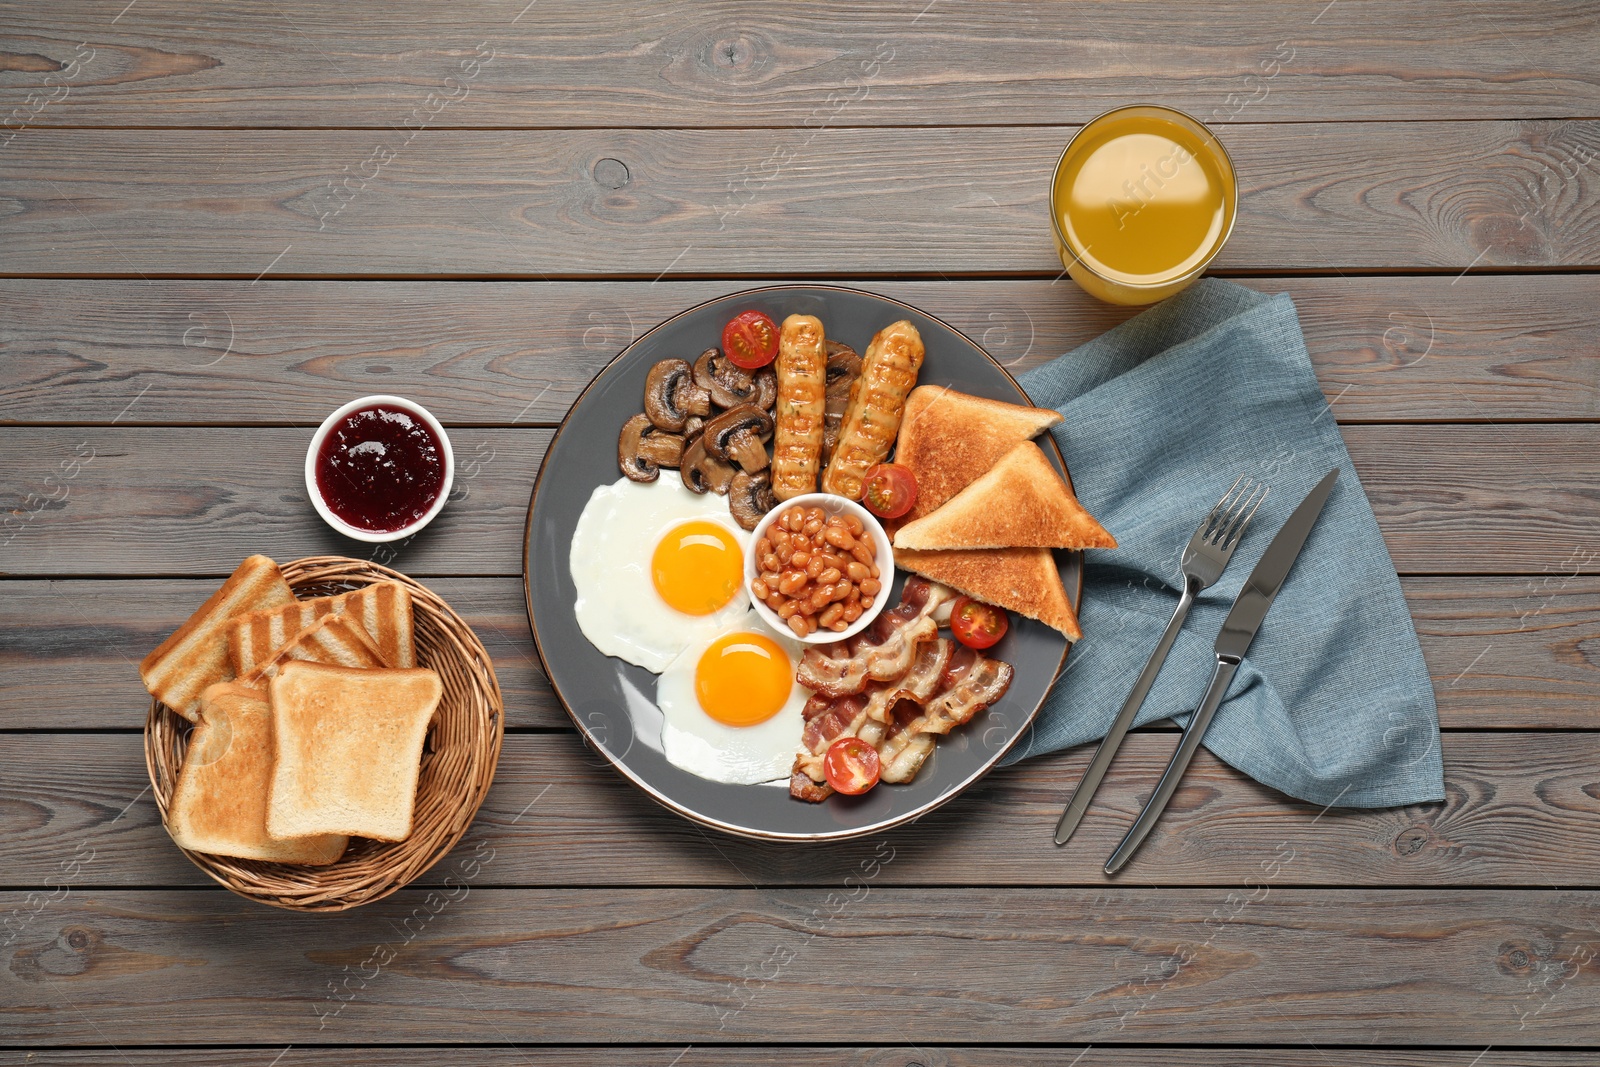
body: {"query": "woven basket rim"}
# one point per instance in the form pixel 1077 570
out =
pixel 458 766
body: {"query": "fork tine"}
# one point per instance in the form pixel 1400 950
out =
pixel 1237 526
pixel 1207 528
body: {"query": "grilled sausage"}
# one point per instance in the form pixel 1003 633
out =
pixel 802 367
pixel 877 401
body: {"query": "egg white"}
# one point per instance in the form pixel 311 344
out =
pixel 618 607
pixel 739 755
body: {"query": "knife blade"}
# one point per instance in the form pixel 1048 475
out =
pixel 1238 630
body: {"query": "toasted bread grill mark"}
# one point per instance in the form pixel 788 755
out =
pixel 1020 502
pixel 334 639
pixel 382 609
pixel 196 655
pixel 349 746
pixel 219 805
pixel 950 439
pixel 1024 580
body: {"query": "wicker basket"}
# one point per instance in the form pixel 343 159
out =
pixel 458 760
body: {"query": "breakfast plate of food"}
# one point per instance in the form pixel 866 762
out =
pixel 802 562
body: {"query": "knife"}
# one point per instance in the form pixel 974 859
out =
pixel 1238 630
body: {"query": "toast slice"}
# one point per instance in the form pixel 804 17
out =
pixel 220 802
pixel 1020 503
pixel 950 439
pixel 1024 580
pixel 331 639
pixel 195 657
pixel 383 610
pixel 349 749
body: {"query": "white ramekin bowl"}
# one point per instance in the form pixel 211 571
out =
pixel 411 408
pixel 831 505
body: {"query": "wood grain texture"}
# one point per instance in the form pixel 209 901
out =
pixel 1520 811
pixel 176 501
pixel 69 650
pixel 793 1056
pixel 609 64
pixel 1418 348
pixel 1369 967
pixel 1443 196
pixel 1503 652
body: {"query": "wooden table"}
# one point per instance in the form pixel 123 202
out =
pixel 217 224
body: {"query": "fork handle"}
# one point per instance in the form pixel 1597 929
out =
pixel 1220 679
pixel 1078 803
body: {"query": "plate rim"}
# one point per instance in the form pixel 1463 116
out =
pixel 700 818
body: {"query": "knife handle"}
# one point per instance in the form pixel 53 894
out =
pixel 1078 803
pixel 1220 679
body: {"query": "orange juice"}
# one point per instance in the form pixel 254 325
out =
pixel 1143 198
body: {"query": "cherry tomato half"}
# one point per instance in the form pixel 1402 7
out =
pixel 889 490
pixel 750 339
pixel 851 766
pixel 976 624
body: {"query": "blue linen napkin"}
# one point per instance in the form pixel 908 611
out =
pixel 1333 704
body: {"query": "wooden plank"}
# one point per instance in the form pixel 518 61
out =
pixel 1503 652
pixel 70 650
pixel 1385 348
pixel 1443 196
pixel 1521 811
pixel 1368 967
pixel 173 501
pixel 793 64
pixel 793 1056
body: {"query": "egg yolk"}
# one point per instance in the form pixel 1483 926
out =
pixel 743 679
pixel 697 567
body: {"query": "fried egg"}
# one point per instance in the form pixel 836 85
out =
pixel 656 568
pixel 731 707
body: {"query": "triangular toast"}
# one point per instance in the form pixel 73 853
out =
pixel 1024 580
pixel 1020 503
pixel 950 439
pixel 220 803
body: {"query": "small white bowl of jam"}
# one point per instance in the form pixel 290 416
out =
pixel 379 468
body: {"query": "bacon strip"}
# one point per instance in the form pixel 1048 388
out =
pixel 978 683
pixel 884 651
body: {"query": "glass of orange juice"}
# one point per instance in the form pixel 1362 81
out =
pixel 1143 198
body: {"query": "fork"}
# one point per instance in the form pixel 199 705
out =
pixel 1204 560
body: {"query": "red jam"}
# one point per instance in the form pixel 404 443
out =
pixel 380 469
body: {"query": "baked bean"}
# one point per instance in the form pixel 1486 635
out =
pixel 816 571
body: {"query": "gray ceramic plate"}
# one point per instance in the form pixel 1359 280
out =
pixel 612 702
